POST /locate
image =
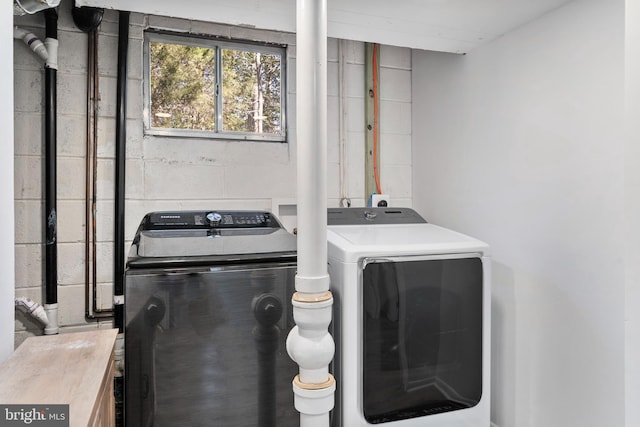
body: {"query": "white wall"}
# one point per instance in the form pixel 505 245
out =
pixel 174 173
pixel 521 144
pixel 6 184
pixel 632 199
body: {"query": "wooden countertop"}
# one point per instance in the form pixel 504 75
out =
pixel 59 369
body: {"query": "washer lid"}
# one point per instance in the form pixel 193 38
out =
pixel 191 238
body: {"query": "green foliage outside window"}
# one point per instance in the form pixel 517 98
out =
pixel 184 90
pixel 182 87
pixel 251 92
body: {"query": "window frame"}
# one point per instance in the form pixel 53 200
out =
pixel 217 44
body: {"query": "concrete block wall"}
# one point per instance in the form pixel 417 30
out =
pixel 175 173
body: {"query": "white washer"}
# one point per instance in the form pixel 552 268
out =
pixel 411 321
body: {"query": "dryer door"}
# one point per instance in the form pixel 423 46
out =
pixel 422 336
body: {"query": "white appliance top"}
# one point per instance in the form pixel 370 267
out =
pixel 349 243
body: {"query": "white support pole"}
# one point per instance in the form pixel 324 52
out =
pixel 309 343
pixel 311 94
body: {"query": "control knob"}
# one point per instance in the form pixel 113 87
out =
pixel 214 218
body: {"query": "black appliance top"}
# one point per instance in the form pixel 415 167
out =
pixel 199 238
pixel 205 220
pixel 373 216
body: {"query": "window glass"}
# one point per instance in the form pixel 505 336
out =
pixel 251 91
pixel 214 88
pixel 182 86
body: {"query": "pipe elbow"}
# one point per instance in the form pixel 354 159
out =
pixel 32 309
pixel 32 41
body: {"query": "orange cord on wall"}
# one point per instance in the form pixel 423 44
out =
pixel 374 65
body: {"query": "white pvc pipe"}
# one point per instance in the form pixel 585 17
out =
pixel 309 343
pixel 32 41
pixel 314 420
pixel 311 91
pixel 52 53
pixel 33 309
pixel 52 327
pixel 314 405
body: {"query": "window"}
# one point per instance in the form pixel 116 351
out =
pixel 197 87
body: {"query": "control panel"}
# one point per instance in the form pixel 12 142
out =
pixel 208 219
pixel 373 216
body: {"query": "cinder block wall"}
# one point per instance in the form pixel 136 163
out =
pixel 173 173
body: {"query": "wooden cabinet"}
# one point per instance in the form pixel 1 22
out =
pixel 75 369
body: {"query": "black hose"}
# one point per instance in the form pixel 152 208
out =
pixel 121 138
pixel 50 219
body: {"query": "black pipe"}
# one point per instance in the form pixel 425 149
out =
pixel 87 19
pixel 121 138
pixel 50 219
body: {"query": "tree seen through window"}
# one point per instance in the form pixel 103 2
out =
pixel 184 92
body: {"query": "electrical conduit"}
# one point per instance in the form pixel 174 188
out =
pixel 376 114
pixel 345 201
pixel 309 343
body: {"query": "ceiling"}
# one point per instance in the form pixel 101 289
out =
pixel 443 25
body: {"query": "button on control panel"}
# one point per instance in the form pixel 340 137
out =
pixel 248 220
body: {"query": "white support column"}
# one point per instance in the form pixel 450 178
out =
pixel 309 343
